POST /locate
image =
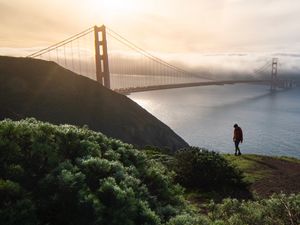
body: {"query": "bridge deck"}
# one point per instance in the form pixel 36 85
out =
pixel 184 85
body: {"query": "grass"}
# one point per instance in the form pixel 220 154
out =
pixel 290 159
pixel 252 165
pixel 259 173
pixel 201 198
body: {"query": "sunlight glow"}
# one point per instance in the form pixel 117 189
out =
pixel 115 6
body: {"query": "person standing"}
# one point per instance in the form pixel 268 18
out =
pixel 237 138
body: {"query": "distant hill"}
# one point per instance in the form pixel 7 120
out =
pixel 48 92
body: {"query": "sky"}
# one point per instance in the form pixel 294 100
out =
pixel 164 26
pixel 168 25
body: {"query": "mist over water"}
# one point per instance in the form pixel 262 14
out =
pixel 204 116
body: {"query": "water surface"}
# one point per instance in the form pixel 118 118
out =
pixel 204 116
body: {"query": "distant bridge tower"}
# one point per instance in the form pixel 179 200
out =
pixel 101 56
pixel 274 78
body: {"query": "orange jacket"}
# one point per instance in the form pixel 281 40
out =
pixel 238 134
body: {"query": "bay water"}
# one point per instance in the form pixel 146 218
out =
pixel 204 116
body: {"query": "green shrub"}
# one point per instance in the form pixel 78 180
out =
pixel 198 168
pixel 69 175
pixel 279 209
pixel 188 219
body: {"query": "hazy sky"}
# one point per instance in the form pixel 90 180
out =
pixel 181 26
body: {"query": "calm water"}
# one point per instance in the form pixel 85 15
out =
pixel 204 116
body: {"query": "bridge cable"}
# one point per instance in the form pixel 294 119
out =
pixel 61 43
pixel 146 53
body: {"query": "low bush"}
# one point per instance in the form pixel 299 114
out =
pixel 279 209
pixel 200 169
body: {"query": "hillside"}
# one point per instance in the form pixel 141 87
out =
pixel 48 92
pixel 264 175
pixel 269 175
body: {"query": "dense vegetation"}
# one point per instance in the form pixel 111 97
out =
pixel 68 175
pixel 276 210
pixel 200 169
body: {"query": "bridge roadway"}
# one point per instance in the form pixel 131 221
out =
pixel 127 91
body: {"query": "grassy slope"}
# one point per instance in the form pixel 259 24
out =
pixel 48 92
pixel 268 175
pixel 251 165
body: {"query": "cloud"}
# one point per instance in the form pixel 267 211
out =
pixel 263 23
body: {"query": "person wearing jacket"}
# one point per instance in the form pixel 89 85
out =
pixel 237 138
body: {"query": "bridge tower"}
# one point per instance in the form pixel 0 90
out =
pixel 101 56
pixel 274 78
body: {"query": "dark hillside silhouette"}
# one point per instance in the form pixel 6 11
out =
pixel 48 92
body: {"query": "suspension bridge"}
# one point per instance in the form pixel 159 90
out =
pixel 118 64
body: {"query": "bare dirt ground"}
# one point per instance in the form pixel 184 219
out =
pixel 283 175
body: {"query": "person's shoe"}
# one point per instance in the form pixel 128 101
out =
pixel 239 153
pixel 235 153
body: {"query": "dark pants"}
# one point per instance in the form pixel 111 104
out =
pixel 237 149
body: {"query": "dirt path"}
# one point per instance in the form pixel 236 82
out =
pixel 282 176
